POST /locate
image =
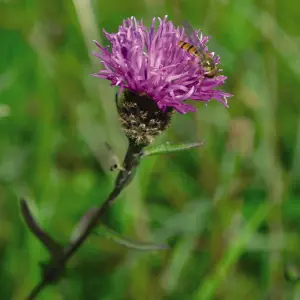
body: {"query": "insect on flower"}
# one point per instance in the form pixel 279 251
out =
pixel 156 77
pixel 150 68
pixel 196 48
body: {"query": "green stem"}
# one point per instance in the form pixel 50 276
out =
pixel 54 269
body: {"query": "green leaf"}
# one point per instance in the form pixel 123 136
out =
pixel 167 148
pixel 291 272
pixel 124 241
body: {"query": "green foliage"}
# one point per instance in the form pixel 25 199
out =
pixel 167 148
pixel 121 240
pixel 228 210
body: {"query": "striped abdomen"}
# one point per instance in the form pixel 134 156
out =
pixel 188 48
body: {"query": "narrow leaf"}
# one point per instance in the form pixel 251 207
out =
pixel 82 224
pixel 167 148
pixel 51 245
pixel 124 241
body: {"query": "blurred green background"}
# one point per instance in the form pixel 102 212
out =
pixel 230 211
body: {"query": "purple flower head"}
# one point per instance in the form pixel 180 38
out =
pixel 149 61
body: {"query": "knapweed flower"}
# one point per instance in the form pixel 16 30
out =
pixel 155 75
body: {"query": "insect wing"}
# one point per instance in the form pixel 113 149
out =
pixel 191 34
pixel 114 161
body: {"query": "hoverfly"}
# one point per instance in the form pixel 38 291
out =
pixel 197 49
